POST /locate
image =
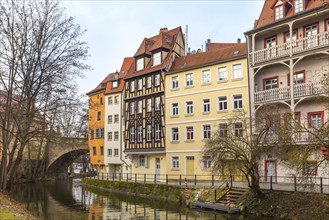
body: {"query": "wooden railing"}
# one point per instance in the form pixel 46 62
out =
pixel 282 50
pixel 300 90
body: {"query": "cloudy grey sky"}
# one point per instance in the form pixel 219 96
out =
pixel 115 29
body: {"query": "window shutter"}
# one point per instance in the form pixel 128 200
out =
pixel 146 161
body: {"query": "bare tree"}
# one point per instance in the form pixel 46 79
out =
pixel 40 54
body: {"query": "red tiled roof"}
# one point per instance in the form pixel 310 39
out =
pixel 126 64
pixel 100 86
pixel 165 39
pixel 208 58
pixel 267 15
pixel 219 46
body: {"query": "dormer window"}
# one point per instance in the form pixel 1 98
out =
pixel 157 59
pixel 299 6
pixel 140 64
pixel 278 12
pixel 114 84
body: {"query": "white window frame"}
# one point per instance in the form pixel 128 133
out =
pixel 237 101
pixel 109 136
pixel 206 106
pixel 206 162
pixel 157 80
pixel 132 107
pixel 116 118
pixel 237 73
pixel 206 77
pixel 279 12
pixel 139 84
pixel 174 109
pixel 141 160
pixel 175 162
pixel 294 39
pixel 140 106
pixel 140 64
pixel 149 105
pixel 110 100
pixel 114 84
pixel 139 134
pixel 116 135
pixel 149 133
pixel 174 82
pixel 189 80
pixel 157 132
pixel 222 133
pixel 116 152
pixel 109 119
pixel 116 99
pixel 148 82
pixel 222 73
pixel 157 104
pixel 298 6
pixel 206 131
pixel 237 132
pixel 222 103
pixel 109 152
pixel 156 59
pixel 132 86
pixel 132 134
pixel 189 133
pixel 175 134
pixel 189 107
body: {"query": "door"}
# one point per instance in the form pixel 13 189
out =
pixel 310 34
pixel 189 166
pixel 271 43
pixel 157 168
pixel 270 170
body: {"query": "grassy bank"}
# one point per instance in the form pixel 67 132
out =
pixel 289 205
pixel 12 210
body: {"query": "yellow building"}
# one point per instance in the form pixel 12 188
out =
pixel 96 125
pixel 203 91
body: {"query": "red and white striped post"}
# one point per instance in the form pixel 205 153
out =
pixel 228 198
pixel 186 191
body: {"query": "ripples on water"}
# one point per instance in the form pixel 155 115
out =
pixel 69 200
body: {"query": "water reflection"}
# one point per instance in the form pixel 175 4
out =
pixel 68 200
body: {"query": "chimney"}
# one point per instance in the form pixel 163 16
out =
pixel 165 29
pixel 208 41
pixel 239 41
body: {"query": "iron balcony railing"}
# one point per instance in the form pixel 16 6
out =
pixel 298 46
pixel 284 93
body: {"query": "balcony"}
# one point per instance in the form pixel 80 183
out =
pixel 279 94
pixel 283 50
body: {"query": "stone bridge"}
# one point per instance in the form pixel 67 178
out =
pixel 63 152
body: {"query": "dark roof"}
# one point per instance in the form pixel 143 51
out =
pixel 208 58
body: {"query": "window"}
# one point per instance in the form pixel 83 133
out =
pixel 206 162
pixel 132 86
pixel 116 135
pixel 148 105
pixel 222 103
pixel 222 73
pixel 91 134
pixel 114 84
pixel 205 77
pixel 140 64
pixel 109 119
pixel 94 151
pixel 310 168
pixel 157 104
pixel 222 130
pixel 99 115
pixel 206 131
pixel 109 136
pixel 174 107
pixel 299 6
pixel 271 83
pixel 132 134
pixel 315 119
pixel 109 152
pixel 174 134
pixel 175 162
pixel 206 105
pixel 238 130
pixel 237 101
pixel 157 80
pixel 101 101
pixel 99 132
pixel 270 43
pixel 110 100
pixel 116 99
pixel 189 107
pixel 189 133
pixel 142 160
pixel 157 132
pixel 279 12
pixel 156 59
pixel 116 152
pixel 140 84
pixel 139 133
pixel 101 150
pixel 102 132
pixel 237 71
pixel 299 78
pixel 311 36
pixel 189 79
pixel 148 132
pixel 132 108
pixel 174 82
pixel 292 41
pixel 116 118
pixel 148 82
pixel 140 106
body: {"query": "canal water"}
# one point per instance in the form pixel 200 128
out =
pixel 67 199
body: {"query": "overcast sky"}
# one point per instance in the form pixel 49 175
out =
pixel 115 29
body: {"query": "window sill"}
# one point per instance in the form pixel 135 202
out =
pixel 222 81
pixel 205 113
pixel 205 139
pixel 189 87
pixel 237 79
pixel 189 141
pixel 174 116
pixel 175 89
pixel 206 84
pixel 222 111
pixel 174 142
pixel 189 115
pixel 175 169
pixel 237 110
